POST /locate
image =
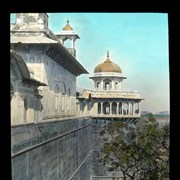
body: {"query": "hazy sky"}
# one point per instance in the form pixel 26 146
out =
pixel 137 42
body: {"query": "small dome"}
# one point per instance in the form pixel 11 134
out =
pixel 67 27
pixel 107 66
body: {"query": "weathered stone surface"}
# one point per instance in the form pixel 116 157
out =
pixel 57 159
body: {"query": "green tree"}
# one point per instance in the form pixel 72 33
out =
pixel 138 151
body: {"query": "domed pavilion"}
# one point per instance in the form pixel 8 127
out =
pixel 109 101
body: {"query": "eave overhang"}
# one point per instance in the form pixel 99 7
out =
pixel 55 51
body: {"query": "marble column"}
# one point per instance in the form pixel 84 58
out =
pixel 129 108
pixel 132 108
pixel 110 108
pixel 117 110
pixel 101 86
pixel 122 108
pixel 101 108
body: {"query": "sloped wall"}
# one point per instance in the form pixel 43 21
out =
pixel 56 150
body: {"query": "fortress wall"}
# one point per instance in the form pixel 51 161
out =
pixel 56 150
pixel 97 169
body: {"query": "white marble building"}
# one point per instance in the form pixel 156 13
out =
pixel 51 62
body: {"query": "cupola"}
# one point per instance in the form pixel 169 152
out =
pixel 107 66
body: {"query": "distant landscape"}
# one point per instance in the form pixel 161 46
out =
pixel 161 116
pixel 161 112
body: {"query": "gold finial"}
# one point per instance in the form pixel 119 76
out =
pixel 107 53
pixel 68 27
pixel 107 60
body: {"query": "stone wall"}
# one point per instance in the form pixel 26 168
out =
pixel 52 150
pixel 97 169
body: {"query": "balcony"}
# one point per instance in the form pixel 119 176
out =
pixel 115 94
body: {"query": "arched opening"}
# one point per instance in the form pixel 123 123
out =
pixel 68 43
pixel 99 108
pixel 106 108
pixel 120 108
pixel 107 84
pixel 125 108
pixel 136 108
pixel 98 86
pixel 114 108
pixel 131 108
pixel 116 86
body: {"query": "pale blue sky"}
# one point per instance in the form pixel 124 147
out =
pixel 137 42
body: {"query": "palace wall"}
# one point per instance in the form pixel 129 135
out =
pixel 59 96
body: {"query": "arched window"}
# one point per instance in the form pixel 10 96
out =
pixel 99 108
pixel 64 89
pixel 107 84
pixel 68 43
pixel 136 108
pixel 120 108
pixel 98 86
pixel 116 86
pixel 106 108
pixel 114 108
pixel 125 108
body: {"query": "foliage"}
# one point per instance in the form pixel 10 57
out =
pixel 138 150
